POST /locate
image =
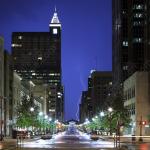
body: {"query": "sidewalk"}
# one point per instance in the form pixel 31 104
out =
pixel 127 139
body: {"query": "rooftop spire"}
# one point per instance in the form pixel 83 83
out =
pixel 55 9
pixel 55 17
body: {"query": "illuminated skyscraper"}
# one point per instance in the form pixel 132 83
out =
pixel 37 57
pixel 131 38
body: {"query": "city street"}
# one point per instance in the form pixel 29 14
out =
pixel 70 139
pixel 75 142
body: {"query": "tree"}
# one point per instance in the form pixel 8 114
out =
pixel 120 113
pixel 26 118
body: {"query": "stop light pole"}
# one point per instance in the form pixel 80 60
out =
pixel 141 125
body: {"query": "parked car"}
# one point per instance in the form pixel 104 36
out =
pixel 46 137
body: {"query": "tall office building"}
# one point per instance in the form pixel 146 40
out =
pixel 95 99
pixel 37 57
pixel 101 81
pixel 131 38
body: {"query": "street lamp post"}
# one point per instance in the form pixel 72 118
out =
pixel 40 115
pixel 102 114
pixel 110 118
pixel 32 110
pixel 141 125
pixel 46 117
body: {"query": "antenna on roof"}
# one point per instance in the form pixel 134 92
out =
pixel 55 8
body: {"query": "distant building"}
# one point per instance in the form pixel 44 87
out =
pixel 37 58
pixel 137 101
pixel 101 81
pixel 95 99
pixel 130 28
pixel 85 108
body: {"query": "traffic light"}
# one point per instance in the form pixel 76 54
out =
pixel 143 122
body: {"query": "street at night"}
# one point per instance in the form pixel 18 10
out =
pixel 75 75
pixel 73 139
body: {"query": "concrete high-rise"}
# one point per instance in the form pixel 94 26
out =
pixel 131 38
pixel 37 57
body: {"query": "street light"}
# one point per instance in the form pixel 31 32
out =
pixel 31 109
pixel 40 113
pixel 46 117
pixel 96 117
pixel 110 109
pixel 50 119
pixel 102 114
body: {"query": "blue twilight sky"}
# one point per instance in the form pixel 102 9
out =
pixel 86 37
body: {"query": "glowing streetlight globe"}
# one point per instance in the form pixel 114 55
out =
pixel 31 109
pixel 102 114
pixel 46 117
pixel 110 109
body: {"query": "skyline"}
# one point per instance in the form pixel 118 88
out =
pixel 85 55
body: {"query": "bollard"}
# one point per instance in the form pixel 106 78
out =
pixel 133 138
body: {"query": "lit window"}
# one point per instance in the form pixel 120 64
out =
pixel 110 83
pixel 51 110
pixel 39 58
pixel 138 7
pixel 137 40
pixel 125 43
pixel 20 37
pixel 138 15
pixel 16 45
pixel 125 67
pixel 137 23
pixel 54 31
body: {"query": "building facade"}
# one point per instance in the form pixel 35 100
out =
pixel 1 85
pixel 23 89
pixel 95 99
pixel 85 107
pixel 137 101
pixel 37 58
pixel 101 81
pixel 131 38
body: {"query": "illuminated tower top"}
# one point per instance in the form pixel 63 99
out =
pixel 55 20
